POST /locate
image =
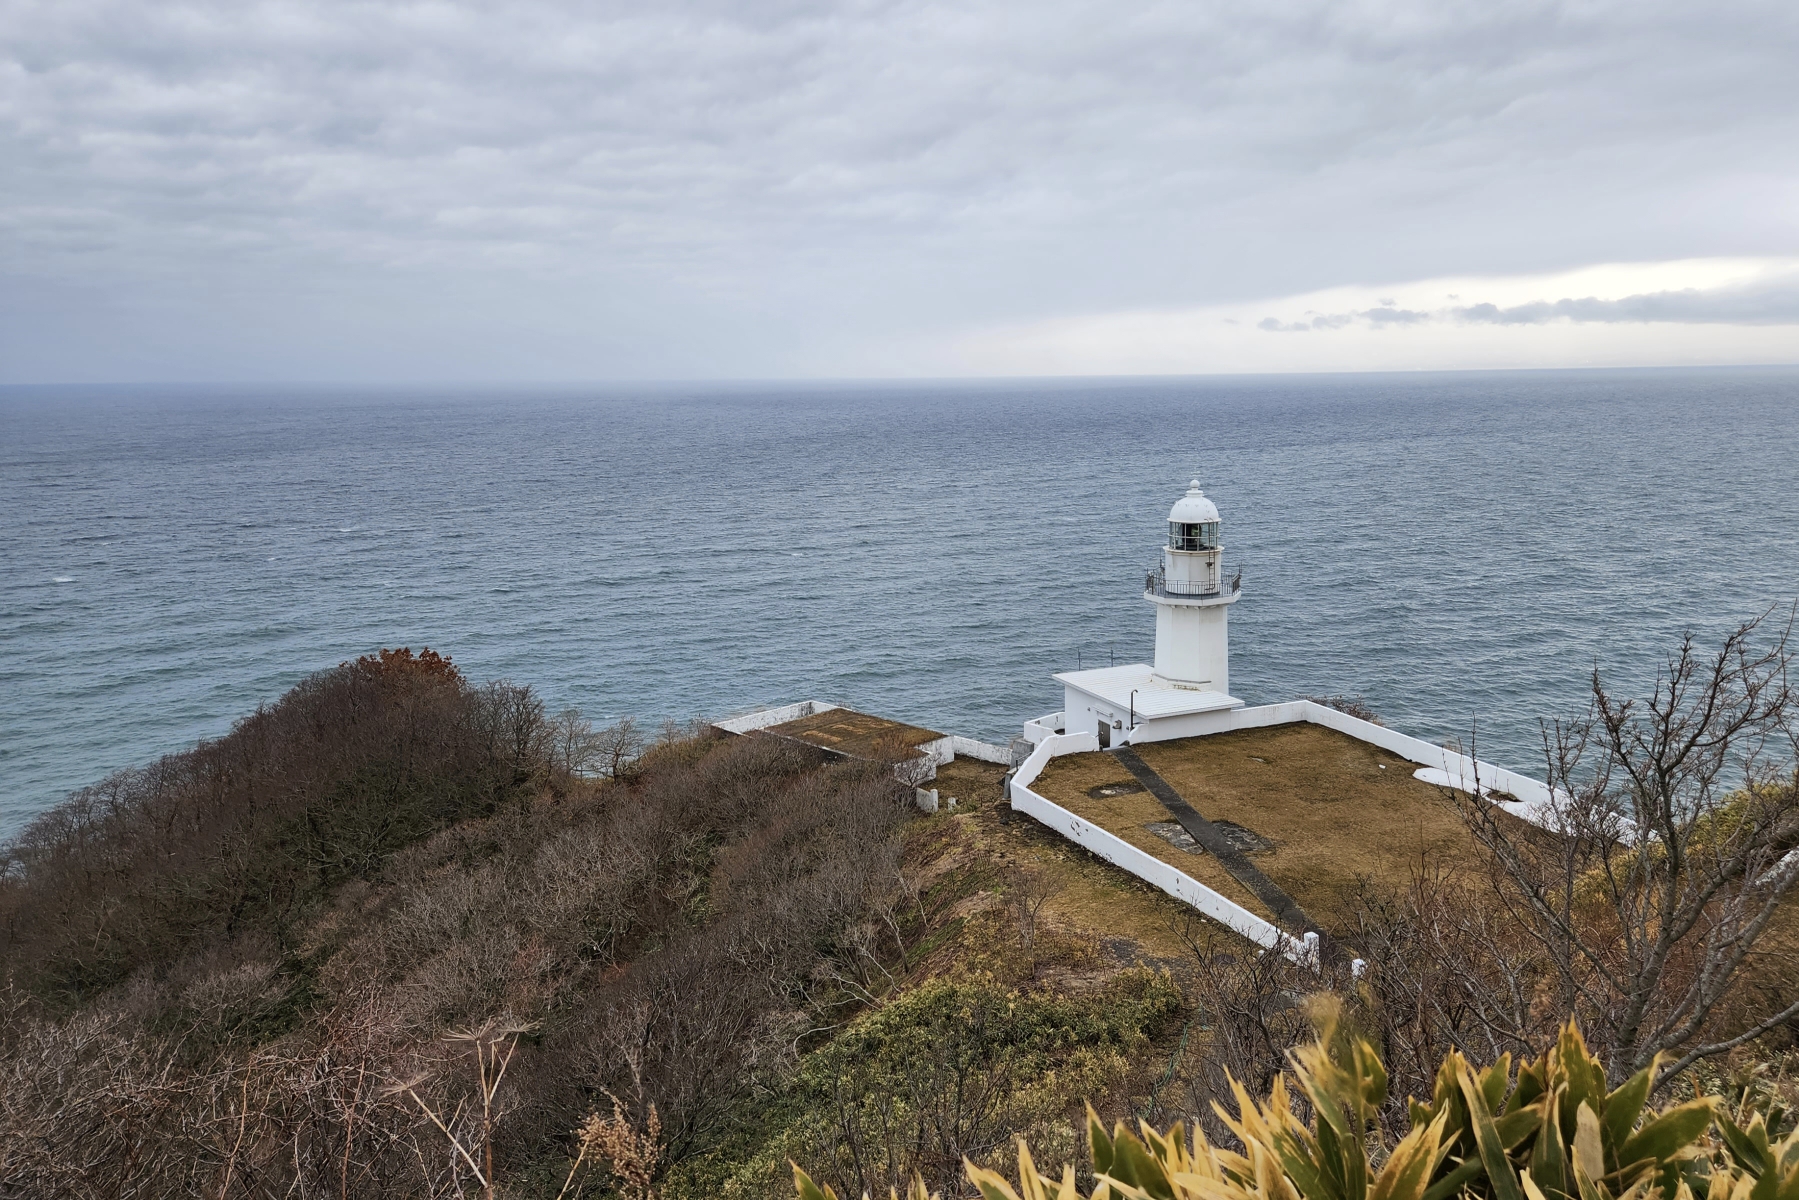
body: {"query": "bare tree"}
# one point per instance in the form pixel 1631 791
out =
pixel 1252 1004
pixel 616 747
pixel 470 1133
pixel 1669 851
pixel 1442 973
pixel 670 937
pixel 574 744
pixel 512 718
pixel 1028 891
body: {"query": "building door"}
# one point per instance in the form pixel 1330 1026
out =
pixel 1105 734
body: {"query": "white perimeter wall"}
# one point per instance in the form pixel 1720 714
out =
pixel 963 747
pixel 764 717
pixel 1534 801
pixel 1147 867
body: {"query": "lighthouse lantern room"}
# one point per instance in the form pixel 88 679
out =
pixel 1190 678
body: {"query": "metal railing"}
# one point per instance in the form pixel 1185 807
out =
pixel 1157 583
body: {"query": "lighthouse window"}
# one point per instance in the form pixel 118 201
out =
pixel 1200 535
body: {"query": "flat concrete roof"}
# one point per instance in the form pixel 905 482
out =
pixel 1114 685
pixel 857 734
pixel 1325 814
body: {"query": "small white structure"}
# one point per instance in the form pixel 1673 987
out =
pixel 838 730
pixel 1191 676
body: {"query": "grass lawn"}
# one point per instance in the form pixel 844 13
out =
pixel 1334 810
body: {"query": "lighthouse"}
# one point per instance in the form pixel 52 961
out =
pixel 1187 691
pixel 1192 599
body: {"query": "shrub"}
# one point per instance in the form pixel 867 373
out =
pixel 1552 1131
pixel 952 1070
pixel 662 933
pixel 251 831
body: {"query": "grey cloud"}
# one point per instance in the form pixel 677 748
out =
pixel 269 188
pixel 1774 302
pixel 1321 321
pixel 1388 315
pixel 1381 317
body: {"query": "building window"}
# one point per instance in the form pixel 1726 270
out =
pixel 1200 535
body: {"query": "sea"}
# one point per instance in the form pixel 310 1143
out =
pixel 1463 551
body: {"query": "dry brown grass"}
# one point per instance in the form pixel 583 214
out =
pixel 970 782
pixel 1069 781
pixel 857 734
pixel 1339 811
pixel 1091 900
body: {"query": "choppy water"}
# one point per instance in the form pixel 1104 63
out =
pixel 1455 547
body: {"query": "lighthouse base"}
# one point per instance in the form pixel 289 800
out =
pixel 1132 703
pixel 1184 685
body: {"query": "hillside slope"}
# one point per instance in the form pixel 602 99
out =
pixel 279 962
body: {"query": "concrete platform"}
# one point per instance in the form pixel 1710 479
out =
pixel 856 734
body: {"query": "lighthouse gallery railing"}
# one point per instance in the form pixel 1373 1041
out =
pixel 1157 583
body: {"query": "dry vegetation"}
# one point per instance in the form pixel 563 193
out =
pixel 400 935
pixel 277 964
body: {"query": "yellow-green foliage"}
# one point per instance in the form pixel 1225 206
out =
pixel 1715 832
pixel 955 1067
pixel 1554 1131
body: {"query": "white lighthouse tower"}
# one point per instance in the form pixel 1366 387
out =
pixel 1187 691
pixel 1192 599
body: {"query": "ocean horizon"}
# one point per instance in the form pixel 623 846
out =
pixel 1460 549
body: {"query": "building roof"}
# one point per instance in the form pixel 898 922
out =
pixel 856 734
pixel 1193 508
pixel 1153 699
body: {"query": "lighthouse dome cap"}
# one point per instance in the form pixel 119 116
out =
pixel 1193 508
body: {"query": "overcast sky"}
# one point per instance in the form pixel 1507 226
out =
pixel 532 191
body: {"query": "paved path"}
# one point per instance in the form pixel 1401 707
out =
pixel 1285 909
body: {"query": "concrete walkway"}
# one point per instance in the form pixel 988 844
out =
pixel 1285 909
